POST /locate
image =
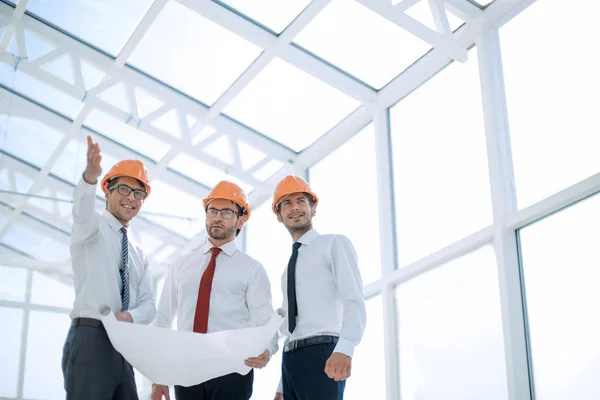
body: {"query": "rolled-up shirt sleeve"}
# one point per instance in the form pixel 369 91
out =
pixel 349 284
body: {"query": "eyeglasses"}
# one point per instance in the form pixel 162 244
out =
pixel 124 190
pixel 226 213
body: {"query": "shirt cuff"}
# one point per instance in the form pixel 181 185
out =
pixel 345 346
pixel 280 386
pixel 273 349
pixel 135 314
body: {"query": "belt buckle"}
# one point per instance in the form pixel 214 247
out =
pixel 290 346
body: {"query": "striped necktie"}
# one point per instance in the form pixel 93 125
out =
pixel 124 271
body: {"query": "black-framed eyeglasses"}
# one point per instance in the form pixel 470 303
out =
pixel 124 190
pixel 226 213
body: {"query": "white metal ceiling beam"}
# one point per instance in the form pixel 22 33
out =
pixel 463 9
pixel 416 75
pixel 55 186
pixel 214 111
pixel 167 175
pixel 440 41
pixel 177 100
pixel 333 139
pixel 139 32
pixel 177 145
pixel 47 117
pixel 41 180
pixel 430 64
pixel 30 110
pixel 261 62
pixel 16 16
pixel 290 53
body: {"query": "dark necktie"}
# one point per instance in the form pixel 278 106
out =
pixel 202 306
pixel 291 288
pixel 124 272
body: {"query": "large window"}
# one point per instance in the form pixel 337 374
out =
pixel 450 332
pixel 348 199
pixel 368 364
pixel 37 351
pixel 10 348
pixel 43 374
pixel 560 256
pixel 12 284
pixel 552 84
pixel 441 177
pixel 51 290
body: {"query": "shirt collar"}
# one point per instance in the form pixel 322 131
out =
pixel 308 236
pixel 113 222
pixel 228 248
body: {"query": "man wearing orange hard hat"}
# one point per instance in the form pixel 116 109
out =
pixel 108 269
pixel 215 288
pixel 322 293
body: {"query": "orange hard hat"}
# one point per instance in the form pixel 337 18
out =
pixel 132 168
pixel 292 184
pixel 229 191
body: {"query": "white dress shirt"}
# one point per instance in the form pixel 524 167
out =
pixel 96 259
pixel 240 296
pixel 328 291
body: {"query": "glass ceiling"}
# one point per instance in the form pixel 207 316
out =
pixel 106 24
pixel 276 15
pixel 199 91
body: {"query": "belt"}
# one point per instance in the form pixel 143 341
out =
pixel 94 323
pixel 311 341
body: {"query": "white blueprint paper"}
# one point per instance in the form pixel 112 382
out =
pixel 169 357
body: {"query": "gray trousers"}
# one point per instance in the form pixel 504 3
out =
pixel 93 369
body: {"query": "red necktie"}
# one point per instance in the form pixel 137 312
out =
pixel 201 318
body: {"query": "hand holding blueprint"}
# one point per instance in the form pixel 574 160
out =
pixel 169 357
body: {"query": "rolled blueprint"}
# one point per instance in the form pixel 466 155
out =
pixel 170 357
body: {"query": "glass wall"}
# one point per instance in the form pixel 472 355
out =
pixel 42 310
pixel 441 182
pixel 10 348
pixel 368 364
pixel 450 332
pixel 560 267
pixel 347 190
pixel 46 335
pixel 552 84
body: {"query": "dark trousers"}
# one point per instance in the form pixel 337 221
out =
pixel 93 369
pixel 227 387
pixel 304 377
